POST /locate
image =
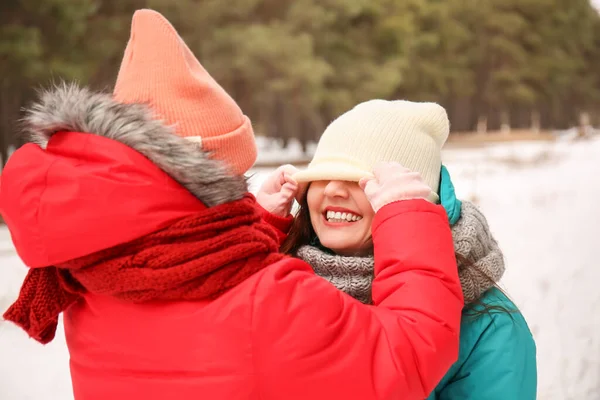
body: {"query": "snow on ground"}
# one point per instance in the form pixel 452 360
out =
pixel 540 199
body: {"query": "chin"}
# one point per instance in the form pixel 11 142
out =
pixel 341 247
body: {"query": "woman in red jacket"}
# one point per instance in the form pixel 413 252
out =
pixel 133 215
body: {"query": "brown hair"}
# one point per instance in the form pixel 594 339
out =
pixel 302 233
pixel 477 307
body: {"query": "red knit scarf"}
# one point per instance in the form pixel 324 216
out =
pixel 199 257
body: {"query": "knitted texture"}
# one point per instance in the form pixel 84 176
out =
pixel 483 266
pixel 484 259
pixel 378 130
pixel 196 258
pixel 158 69
pixel 352 275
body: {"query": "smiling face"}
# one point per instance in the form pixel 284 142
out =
pixel 341 216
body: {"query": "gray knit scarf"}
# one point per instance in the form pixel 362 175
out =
pixel 473 241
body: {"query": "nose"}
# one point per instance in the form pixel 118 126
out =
pixel 336 189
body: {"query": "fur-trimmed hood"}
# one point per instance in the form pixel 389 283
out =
pixel 97 173
pixel 68 107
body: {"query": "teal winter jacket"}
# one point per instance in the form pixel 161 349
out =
pixel 497 356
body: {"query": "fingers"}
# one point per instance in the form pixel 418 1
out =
pixel 288 178
pixel 371 187
pixel 289 169
pixel 284 174
pixel 384 168
pixel 363 182
pixel 289 190
pixel 393 182
pixel 278 191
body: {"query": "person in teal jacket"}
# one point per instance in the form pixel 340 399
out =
pixel 497 355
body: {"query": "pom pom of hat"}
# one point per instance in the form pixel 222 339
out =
pixel 406 132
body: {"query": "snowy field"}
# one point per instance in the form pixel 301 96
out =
pixel 541 202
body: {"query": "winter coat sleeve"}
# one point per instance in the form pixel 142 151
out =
pixel 282 225
pixel 314 342
pixel 501 364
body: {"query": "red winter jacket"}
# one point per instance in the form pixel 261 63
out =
pixel 284 333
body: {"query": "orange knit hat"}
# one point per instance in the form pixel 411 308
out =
pixel 159 69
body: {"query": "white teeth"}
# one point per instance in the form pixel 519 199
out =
pixel 338 217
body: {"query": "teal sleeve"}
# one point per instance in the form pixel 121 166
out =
pixel 501 365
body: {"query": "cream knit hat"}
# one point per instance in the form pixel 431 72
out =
pixel 378 130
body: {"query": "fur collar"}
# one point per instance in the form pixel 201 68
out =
pixel 68 107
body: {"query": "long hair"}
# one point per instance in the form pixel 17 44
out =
pixel 302 233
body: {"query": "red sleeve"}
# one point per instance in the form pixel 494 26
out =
pixel 281 224
pixel 314 342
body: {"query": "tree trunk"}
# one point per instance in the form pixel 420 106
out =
pixel 584 125
pixel 535 121
pixel 482 124
pixel 505 122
